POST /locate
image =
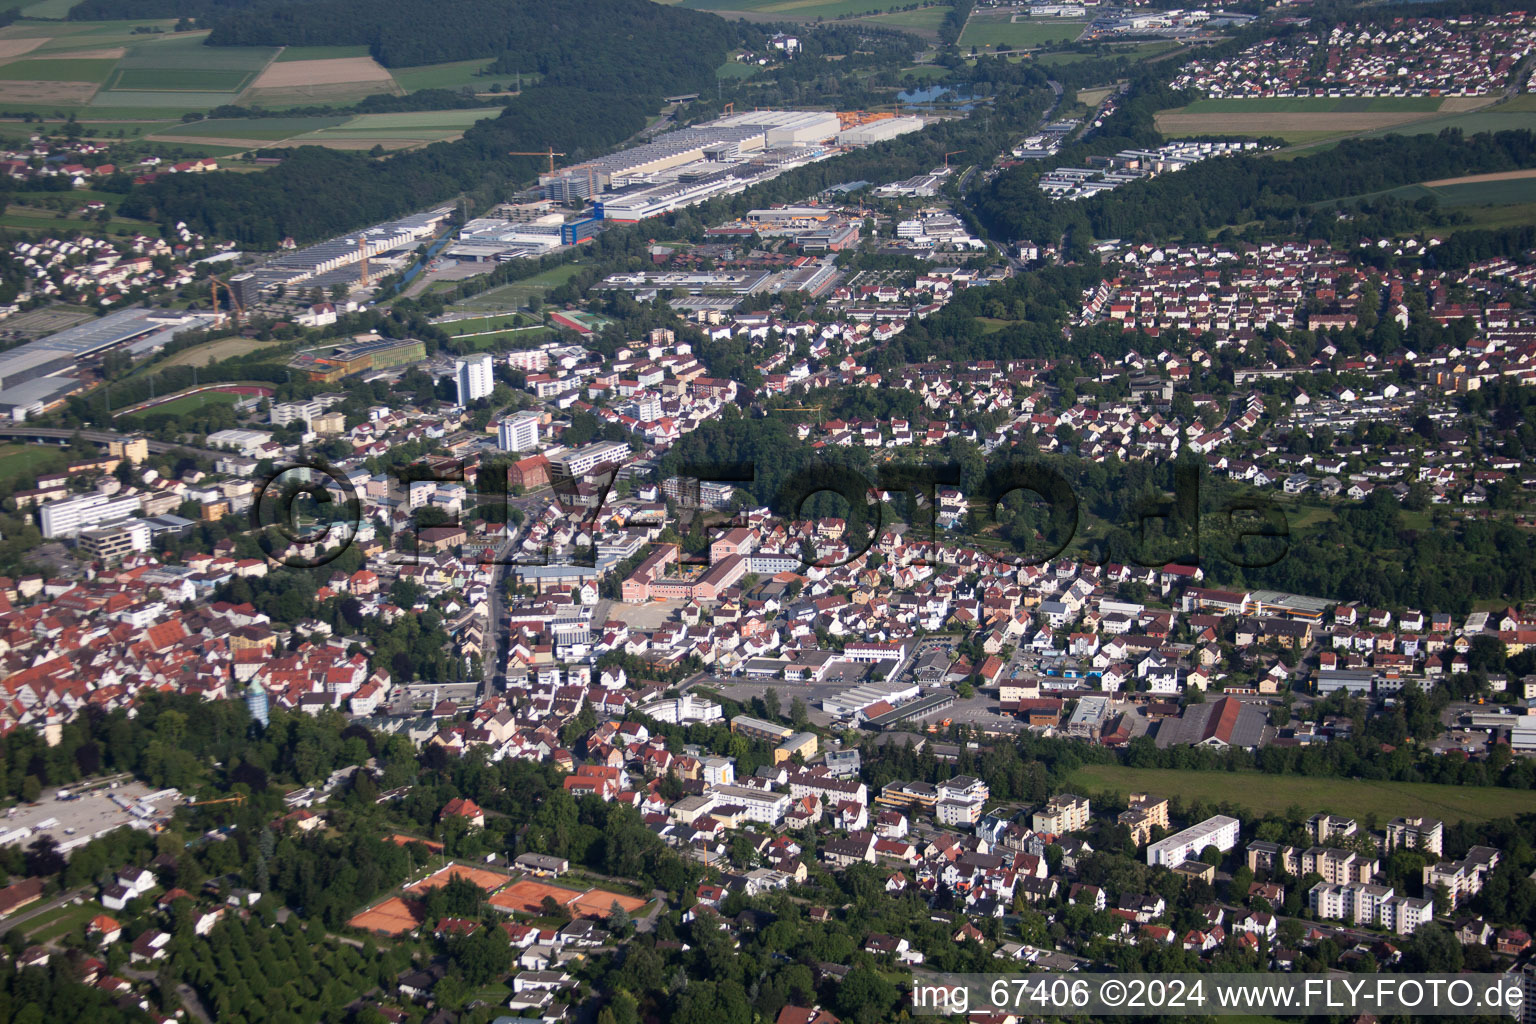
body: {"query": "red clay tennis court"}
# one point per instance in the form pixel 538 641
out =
pixel 490 881
pixel 527 897
pixel 599 903
pixel 393 916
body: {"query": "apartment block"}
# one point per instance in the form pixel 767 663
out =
pixel 1337 866
pixel 1273 858
pixel 1361 903
pixel 1219 831
pixel 1415 834
pixel 1465 877
pixel 1063 813
pixel 1323 827
pixel 1145 813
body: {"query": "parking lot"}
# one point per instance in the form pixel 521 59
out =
pixel 73 823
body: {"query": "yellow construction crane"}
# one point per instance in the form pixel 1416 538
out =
pixel 549 153
pixel 238 798
pixel 214 284
pixel 953 152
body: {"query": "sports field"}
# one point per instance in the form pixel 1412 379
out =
pixel 489 881
pixel 517 293
pixel 187 404
pixel 1006 31
pixel 28 460
pixel 527 897
pixel 393 916
pixel 1275 794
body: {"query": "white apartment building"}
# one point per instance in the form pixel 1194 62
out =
pixel 1219 831
pixel 518 433
pixel 587 458
pixel 761 805
pixel 473 377
pixel 961 800
pixel 1415 834
pixel 719 771
pixel 1337 866
pixel 1063 813
pixel 529 360
pixel 68 517
pixel 1361 903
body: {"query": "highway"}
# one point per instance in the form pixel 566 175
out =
pixel 22 432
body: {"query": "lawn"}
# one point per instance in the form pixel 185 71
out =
pixel 736 69
pixel 518 292
pixel 1264 794
pixel 210 352
pixel 28 460
pixel 1020 34
pixel 60 921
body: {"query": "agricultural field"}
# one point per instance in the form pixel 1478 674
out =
pixel 298 53
pixel 1292 127
pixel 327 80
pixel 1313 120
pixel 791 10
pixel 176 71
pixel 1275 794
pixel 1317 104
pixel 395 131
pixel 454 75
pixel 362 131
pixel 1002 32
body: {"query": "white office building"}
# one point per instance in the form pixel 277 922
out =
pixel 518 433
pixel 86 512
pixel 1220 832
pixel 473 377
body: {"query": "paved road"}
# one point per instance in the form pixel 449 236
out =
pixel 101 437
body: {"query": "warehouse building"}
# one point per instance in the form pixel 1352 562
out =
pixel 871 132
